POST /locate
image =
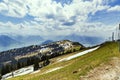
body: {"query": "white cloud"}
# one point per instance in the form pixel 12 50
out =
pixel 50 16
pixel 94 29
pixel 3 7
pixel 22 29
pixel 115 8
pixel 42 8
pixel 34 28
pixel 13 8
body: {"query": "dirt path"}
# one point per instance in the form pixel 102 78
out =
pixel 110 71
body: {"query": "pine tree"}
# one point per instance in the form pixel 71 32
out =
pixel 0 76
pixel 46 61
pixel 19 65
pixel 36 63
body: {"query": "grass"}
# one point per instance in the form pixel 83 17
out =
pixel 76 67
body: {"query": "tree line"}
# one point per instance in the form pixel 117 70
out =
pixel 37 61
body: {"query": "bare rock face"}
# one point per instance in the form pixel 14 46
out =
pixel 110 71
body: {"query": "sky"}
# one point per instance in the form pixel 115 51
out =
pixel 59 17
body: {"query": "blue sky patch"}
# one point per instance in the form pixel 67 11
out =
pixel 105 17
pixel 5 19
pixel 116 2
pixel 63 2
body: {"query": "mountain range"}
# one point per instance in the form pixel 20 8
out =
pixel 8 41
pixel 85 40
pixel 47 42
pixel 29 40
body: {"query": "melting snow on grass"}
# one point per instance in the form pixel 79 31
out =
pixel 79 54
pixel 30 69
pixel 19 72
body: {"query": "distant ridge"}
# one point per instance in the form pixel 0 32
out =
pixel 85 40
pixel 47 41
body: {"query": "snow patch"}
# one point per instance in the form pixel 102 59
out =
pixel 79 54
pixel 19 72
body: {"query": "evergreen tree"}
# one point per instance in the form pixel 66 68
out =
pixel 0 76
pixel 19 65
pixel 46 61
pixel 36 63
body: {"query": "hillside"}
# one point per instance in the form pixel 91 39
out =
pixel 80 68
pixel 21 57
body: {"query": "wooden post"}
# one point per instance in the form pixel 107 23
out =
pixel 113 36
pixel 119 38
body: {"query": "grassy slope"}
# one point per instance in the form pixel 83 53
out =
pixel 80 65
